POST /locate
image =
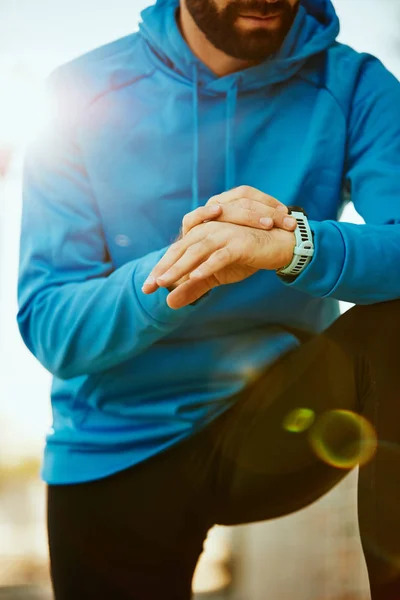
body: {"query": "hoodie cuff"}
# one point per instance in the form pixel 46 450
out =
pixel 320 277
pixel 155 305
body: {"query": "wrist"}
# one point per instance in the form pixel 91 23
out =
pixel 288 253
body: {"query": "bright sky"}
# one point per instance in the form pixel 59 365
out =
pixel 38 35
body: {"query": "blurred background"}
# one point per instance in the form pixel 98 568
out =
pixel 319 546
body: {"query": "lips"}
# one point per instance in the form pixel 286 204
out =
pixel 258 16
pixel 261 17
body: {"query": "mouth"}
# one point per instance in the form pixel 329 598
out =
pixel 258 16
pixel 256 19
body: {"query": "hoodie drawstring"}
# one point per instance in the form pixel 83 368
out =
pixel 230 167
pixel 195 166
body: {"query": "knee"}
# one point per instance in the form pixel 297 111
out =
pixel 381 313
pixel 377 323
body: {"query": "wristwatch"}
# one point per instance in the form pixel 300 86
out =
pixel 304 249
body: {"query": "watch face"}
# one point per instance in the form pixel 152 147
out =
pixel 297 209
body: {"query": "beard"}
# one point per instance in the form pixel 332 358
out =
pixel 221 30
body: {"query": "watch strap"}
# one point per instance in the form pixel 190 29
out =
pixel 304 248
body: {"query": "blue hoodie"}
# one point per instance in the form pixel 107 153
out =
pixel 143 133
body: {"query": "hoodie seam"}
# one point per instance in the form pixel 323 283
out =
pixel 119 87
pixel 337 102
pixel 80 70
pixel 367 58
pixel 327 90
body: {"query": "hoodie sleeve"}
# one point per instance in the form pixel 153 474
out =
pixel 361 263
pixel 77 314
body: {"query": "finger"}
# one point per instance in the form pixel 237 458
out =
pixel 190 291
pixel 282 220
pixel 252 213
pixel 245 191
pixel 194 256
pixel 249 213
pixel 148 287
pixel 174 252
pixel 218 260
pixel 201 214
pixel 258 215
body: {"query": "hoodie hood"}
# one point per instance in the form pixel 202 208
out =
pixel 314 29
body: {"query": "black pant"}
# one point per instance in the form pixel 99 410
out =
pixel 138 534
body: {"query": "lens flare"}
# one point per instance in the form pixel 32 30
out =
pixel 299 420
pixel 343 439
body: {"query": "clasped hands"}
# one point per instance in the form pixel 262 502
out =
pixel 234 235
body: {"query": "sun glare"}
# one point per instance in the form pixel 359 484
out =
pixel 24 109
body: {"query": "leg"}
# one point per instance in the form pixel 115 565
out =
pixel 267 471
pixel 136 535
pixel 379 480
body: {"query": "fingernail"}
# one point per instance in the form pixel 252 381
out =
pixel 281 208
pixel 289 221
pixel 150 280
pixel 266 221
pixel 215 208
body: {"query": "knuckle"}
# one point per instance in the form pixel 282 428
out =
pixel 244 190
pixel 218 257
pixel 194 251
pixel 268 201
pixel 278 215
pixel 174 251
pixel 249 215
pixel 212 200
pixel 174 248
pixel 282 208
pixel 246 203
pixel 186 221
pixel 225 253
pixel 209 242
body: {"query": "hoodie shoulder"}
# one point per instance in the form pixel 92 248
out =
pixel 77 84
pixel 344 70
